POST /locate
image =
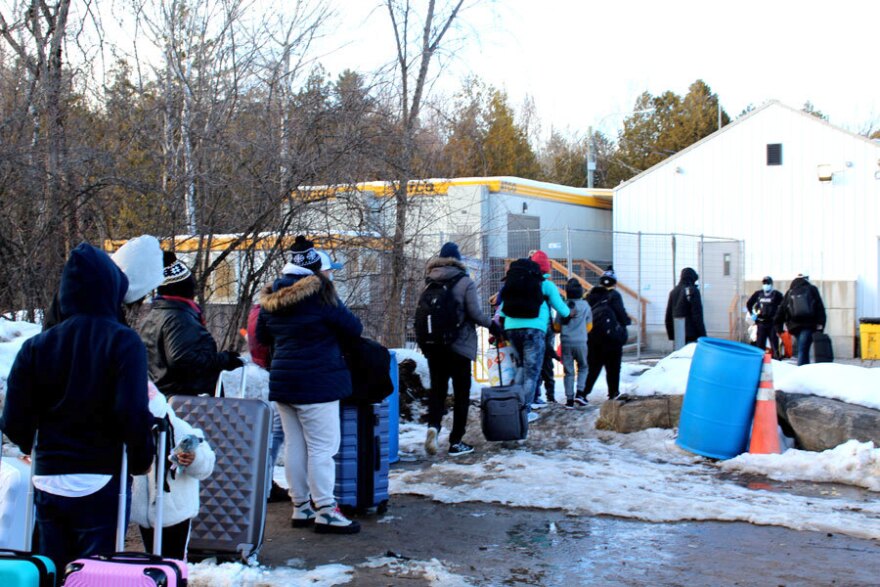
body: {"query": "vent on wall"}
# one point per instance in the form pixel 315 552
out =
pixel 774 154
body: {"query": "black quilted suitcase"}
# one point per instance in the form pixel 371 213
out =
pixel 823 351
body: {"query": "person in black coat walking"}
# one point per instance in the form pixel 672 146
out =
pixel 763 306
pixel 306 325
pixel 803 313
pixel 685 302
pixel 607 337
pixel 83 385
pixel 181 353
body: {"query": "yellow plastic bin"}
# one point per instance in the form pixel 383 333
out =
pixel 869 334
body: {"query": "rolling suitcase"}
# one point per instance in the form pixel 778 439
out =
pixel 14 478
pixel 132 569
pixel 19 567
pixel 823 352
pixel 362 461
pixel 232 515
pixel 504 411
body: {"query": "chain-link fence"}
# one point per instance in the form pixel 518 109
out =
pixel 647 266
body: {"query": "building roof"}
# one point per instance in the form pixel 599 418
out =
pixel 591 198
pixel 738 121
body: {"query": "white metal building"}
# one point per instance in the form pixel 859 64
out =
pixel 803 195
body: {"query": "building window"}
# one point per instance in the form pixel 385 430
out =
pixel 774 154
pixel 726 264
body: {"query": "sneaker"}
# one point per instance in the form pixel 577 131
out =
pixel 538 404
pixel 569 404
pixel 303 514
pixel 460 448
pixel 277 493
pixel 329 520
pixel 431 440
pixel 533 416
pixel 581 398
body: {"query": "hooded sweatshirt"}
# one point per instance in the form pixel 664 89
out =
pixel 83 382
pixel 685 302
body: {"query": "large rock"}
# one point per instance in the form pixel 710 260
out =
pixel 819 423
pixel 634 413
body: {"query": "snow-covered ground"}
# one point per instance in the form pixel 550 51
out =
pixel 641 476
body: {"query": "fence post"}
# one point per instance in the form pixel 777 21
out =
pixel 639 298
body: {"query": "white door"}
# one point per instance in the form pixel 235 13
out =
pixel 720 278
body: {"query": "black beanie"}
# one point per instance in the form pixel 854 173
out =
pixel 304 254
pixel 573 289
pixel 179 280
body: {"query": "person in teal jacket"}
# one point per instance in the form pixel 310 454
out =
pixel 527 335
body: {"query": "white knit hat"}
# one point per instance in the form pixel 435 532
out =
pixel 141 261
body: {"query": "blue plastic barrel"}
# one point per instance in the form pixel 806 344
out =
pixel 719 402
pixel 394 414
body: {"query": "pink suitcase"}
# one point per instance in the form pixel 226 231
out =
pixel 131 569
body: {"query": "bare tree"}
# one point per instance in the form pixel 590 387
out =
pixel 418 38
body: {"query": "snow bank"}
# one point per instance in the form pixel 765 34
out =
pixel 849 383
pixel 853 463
pixel 420 361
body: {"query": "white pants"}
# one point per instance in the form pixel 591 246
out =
pixel 312 437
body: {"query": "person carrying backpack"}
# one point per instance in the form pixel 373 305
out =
pixel 607 337
pixel 447 312
pixel 803 313
pixel 763 306
pixel 526 315
pixel 685 302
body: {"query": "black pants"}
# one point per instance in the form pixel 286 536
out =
pixel 174 540
pixel 547 369
pixel 443 364
pixel 604 354
pixel 766 330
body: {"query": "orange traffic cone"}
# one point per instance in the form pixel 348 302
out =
pixel 765 438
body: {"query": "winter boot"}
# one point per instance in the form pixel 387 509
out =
pixel 329 520
pixel 303 514
pixel 431 440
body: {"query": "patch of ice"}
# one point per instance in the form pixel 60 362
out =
pixel 433 571
pixel 208 574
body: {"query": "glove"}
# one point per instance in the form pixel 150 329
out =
pixel 754 316
pixel 229 361
pixel 495 329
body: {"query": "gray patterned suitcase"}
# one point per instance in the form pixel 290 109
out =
pixel 232 513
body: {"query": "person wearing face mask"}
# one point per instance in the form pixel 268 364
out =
pixel 763 306
pixel 685 302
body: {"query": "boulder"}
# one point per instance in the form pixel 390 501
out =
pixel 819 423
pixel 634 413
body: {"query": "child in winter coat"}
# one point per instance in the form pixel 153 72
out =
pixel 573 334
pixel 181 500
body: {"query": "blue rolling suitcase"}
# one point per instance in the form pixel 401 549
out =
pixel 362 460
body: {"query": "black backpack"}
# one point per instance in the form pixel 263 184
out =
pixel 436 323
pixel 801 303
pixel 370 366
pixel 606 326
pixel 522 294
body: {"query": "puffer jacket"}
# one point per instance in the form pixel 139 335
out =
pixel 599 294
pixel 181 353
pixel 304 327
pixel 814 322
pixel 181 502
pixel 465 294
pixel 685 302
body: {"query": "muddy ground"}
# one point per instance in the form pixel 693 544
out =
pixel 496 545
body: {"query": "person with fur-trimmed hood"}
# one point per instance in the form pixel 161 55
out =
pixel 306 324
pixel 453 361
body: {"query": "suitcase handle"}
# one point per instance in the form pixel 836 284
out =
pixel 378 456
pixel 144 556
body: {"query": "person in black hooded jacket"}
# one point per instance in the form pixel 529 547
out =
pixel 82 385
pixel 605 349
pixel 803 313
pixel 182 355
pixel 685 302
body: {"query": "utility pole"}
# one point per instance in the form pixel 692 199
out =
pixel 591 164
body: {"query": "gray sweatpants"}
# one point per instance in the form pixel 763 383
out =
pixel 575 354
